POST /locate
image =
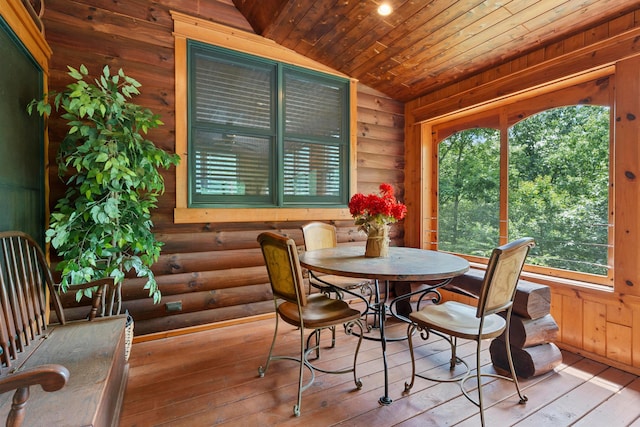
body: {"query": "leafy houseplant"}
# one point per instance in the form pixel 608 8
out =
pixel 102 226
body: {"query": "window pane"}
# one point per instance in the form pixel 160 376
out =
pixel 311 169
pixel 232 94
pixel 264 133
pixel 559 187
pixel 469 192
pixel 313 107
pixel 229 164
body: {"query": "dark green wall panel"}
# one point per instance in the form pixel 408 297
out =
pixel 21 142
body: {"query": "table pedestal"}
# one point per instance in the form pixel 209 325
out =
pixel 380 308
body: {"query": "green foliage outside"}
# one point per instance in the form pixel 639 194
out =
pixel 558 188
pixel 469 192
pixel 102 225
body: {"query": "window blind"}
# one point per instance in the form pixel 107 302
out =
pixel 264 133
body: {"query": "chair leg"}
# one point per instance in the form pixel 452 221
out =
pixel 316 334
pixel 454 361
pixel 453 341
pixel 479 380
pixel 296 408
pixel 355 355
pixel 262 370
pixel 514 377
pixel 305 350
pixel 333 337
pixel 523 398
pixel 410 330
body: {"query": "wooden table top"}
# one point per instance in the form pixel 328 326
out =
pixel 402 264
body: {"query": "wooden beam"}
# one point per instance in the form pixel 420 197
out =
pixel 572 64
pixel 627 178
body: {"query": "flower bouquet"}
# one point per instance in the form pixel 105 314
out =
pixel 373 213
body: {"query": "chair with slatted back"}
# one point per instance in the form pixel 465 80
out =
pixel 296 308
pixel 25 276
pixel 452 320
pixel 25 279
pixel 320 235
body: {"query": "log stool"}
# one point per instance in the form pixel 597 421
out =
pixel 533 329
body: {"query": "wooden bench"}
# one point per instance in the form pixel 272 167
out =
pixel 67 374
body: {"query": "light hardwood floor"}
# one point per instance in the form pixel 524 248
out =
pixel 211 378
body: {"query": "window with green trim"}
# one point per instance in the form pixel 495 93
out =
pixel 263 133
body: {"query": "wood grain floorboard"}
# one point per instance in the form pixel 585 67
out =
pixel 210 378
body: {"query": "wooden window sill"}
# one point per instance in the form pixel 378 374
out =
pixel 208 215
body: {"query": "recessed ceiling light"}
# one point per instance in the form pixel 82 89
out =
pixel 385 9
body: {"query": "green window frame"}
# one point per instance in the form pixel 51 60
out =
pixel 264 133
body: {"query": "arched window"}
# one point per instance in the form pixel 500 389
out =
pixel 559 186
pixel 539 167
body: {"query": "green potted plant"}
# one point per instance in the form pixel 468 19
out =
pixel 101 227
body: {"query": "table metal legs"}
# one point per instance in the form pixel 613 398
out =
pixel 380 309
pixel 384 400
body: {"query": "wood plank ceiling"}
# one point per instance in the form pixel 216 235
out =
pixel 423 44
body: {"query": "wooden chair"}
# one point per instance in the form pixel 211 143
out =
pixel 25 261
pixel 453 320
pixel 320 235
pixel 304 311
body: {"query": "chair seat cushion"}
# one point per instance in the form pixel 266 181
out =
pixel 458 319
pixel 319 312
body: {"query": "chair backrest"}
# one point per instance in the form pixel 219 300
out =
pixel 285 274
pixel 24 274
pixel 319 235
pixel 501 278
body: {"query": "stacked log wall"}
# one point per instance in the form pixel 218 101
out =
pixel 214 270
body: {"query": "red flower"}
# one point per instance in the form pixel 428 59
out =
pixel 375 210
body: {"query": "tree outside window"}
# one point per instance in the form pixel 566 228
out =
pixel 469 192
pixel 558 188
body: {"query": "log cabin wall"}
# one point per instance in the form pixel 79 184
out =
pixel 600 322
pixel 216 270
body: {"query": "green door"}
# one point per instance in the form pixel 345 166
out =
pixel 21 140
